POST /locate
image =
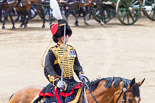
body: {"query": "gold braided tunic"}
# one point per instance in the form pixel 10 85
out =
pixel 53 62
pixel 69 57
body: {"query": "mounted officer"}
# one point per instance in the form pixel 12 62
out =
pixel 56 62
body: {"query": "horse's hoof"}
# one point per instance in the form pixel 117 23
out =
pixel 25 26
pixel 21 25
pixel 76 23
pixel 50 22
pixel 3 27
pixel 86 24
pixel 43 26
pixel 13 28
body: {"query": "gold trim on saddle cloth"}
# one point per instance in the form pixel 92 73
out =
pixel 42 100
pixel 77 96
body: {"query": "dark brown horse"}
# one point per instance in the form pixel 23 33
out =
pixel 8 7
pixel 25 10
pixel 84 7
pixel 76 8
pixel 68 8
pixel 105 90
pixel 0 12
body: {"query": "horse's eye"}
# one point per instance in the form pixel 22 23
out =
pixel 129 100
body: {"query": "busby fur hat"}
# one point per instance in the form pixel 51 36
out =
pixel 58 30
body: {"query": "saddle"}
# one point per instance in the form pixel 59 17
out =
pixel 72 93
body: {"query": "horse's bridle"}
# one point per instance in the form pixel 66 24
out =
pixel 84 86
pixel 125 90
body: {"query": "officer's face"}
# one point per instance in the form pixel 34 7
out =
pixel 61 39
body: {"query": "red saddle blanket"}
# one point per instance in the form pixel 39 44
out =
pixel 72 93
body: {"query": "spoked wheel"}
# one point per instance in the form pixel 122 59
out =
pixel 150 13
pixel 109 13
pixel 97 15
pixel 128 11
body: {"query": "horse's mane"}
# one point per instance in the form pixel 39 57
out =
pixel 116 80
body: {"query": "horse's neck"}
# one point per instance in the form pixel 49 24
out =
pixel 102 93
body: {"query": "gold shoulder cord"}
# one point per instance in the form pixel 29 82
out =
pixel 52 80
pixel 42 58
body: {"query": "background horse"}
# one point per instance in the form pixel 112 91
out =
pixel 78 7
pixel 0 12
pixel 68 8
pixel 84 7
pixel 105 90
pixel 25 10
pixel 8 7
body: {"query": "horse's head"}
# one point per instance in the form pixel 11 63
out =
pixel 131 94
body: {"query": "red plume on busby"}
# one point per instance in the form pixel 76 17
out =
pixel 57 30
pixel 54 28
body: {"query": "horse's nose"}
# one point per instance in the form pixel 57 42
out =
pixel 129 100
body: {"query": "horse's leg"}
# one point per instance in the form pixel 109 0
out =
pixel 68 12
pixel 0 12
pixel 43 15
pixel 13 27
pixel 9 12
pixel 51 17
pixel 84 15
pixel 23 16
pixel 27 11
pixel 89 13
pixel 76 18
pixel 26 20
pixel 5 18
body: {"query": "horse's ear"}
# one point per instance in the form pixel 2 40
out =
pixel 141 82
pixel 132 82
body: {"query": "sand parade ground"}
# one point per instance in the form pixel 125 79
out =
pixel 103 51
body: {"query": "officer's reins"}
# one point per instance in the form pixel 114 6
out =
pixel 84 87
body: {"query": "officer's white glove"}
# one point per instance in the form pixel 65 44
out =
pixel 82 77
pixel 62 85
